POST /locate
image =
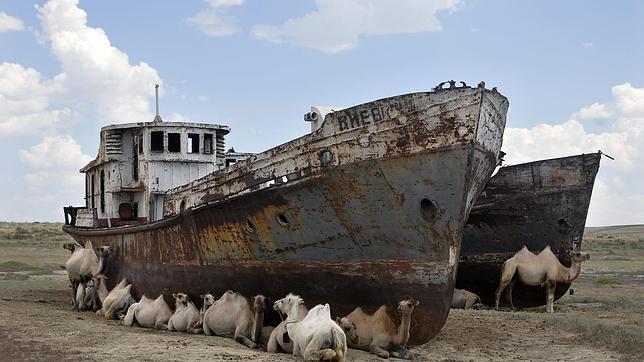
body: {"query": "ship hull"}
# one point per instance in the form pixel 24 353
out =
pixel 537 204
pixel 362 233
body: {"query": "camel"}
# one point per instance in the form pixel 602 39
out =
pixel 295 310
pixel 82 265
pixel 186 315
pixel 117 302
pixel 377 333
pixel 234 317
pixel 92 299
pixel 207 300
pixel 149 313
pixel 317 337
pixel 542 269
pixel 463 299
pixel 99 286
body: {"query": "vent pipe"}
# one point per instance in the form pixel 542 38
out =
pixel 157 117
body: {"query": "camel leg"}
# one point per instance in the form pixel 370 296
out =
pixel 74 289
pixel 508 292
pixel 403 353
pixel 374 348
pixel 551 285
pixel 507 274
pixel 314 353
pixel 240 338
pixel 158 324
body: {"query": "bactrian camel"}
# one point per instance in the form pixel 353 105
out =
pixel 149 313
pixel 186 316
pixel 81 266
pixel 463 299
pixel 234 316
pixel 317 337
pixel 543 269
pixel 377 333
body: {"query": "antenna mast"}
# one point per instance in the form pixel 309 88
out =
pixel 157 117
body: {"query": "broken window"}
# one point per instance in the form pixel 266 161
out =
pixel 207 143
pixel 174 142
pixel 193 143
pixel 92 187
pixel 156 141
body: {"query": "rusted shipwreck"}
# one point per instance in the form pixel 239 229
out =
pixel 366 209
pixel 534 204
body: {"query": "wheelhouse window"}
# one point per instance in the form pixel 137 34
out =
pixel 193 143
pixel 174 142
pixel 207 143
pixel 156 141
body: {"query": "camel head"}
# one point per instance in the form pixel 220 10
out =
pixel 103 250
pixel 288 303
pixel 259 302
pixel 208 300
pixel 349 329
pixel 407 305
pixel 181 299
pixel 578 256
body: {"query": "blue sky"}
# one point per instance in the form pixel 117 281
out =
pixel 573 72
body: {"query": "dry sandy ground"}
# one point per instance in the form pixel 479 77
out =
pixel 39 324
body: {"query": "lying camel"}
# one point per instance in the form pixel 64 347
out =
pixel 463 299
pixel 377 333
pixel 234 317
pixel 207 300
pixel 186 315
pixel 117 302
pixel 149 313
pixel 82 265
pixel 542 269
pixel 317 337
pixel 295 310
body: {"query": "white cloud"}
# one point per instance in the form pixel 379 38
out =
pixel 587 44
pixel 593 111
pixel 24 101
pixel 9 23
pixel 56 160
pixel 94 71
pixel 215 21
pixel 95 76
pixel 614 201
pixel 338 25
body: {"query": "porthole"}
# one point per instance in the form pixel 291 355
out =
pixel 427 210
pixel 326 157
pixel 282 219
pixel 249 226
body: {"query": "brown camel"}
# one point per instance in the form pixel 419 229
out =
pixel 542 269
pixel 377 333
pixel 463 299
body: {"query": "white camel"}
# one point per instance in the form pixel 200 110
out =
pixel 235 317
pixel 295 310
pixel 377 333
pixel 117 301
pixel 149 313
pixel 186 315
pixel 82 265
pixel 543 269
pixel 317 337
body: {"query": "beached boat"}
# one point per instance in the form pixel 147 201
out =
pixel 366 209
pixel 535 204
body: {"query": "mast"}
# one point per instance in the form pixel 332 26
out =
pixel 157 117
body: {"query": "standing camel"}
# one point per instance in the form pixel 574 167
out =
pixel 542 269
